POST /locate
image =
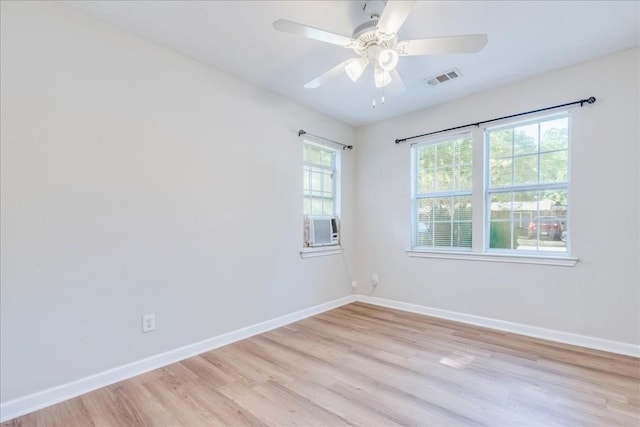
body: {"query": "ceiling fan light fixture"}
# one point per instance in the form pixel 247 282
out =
pixel 356 67
pixel 387 59
pixel 382 77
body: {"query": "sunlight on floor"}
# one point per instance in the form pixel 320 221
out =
pixel 459 362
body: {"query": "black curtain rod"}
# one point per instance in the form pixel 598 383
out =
pixel 590 100
pixel 344 146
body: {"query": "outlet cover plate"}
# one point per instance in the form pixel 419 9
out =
pixel 148 322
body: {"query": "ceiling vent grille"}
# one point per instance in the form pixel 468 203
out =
pixel 443 77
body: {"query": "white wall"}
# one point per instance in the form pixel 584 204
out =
pixel 600 296
pixel 135 180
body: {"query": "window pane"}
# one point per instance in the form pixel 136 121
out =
pixel 464 151
pixel 318 180
pixel 316 207
pixel 501 144
pixel 327 158
pixel 528 220
pixel 327 207
pixel 309 153
pixel 444 166
pixel 525 139
pixel 426 181
pixel 554 166
pixel 501 172
pixel 464 178
pixel 525 170
pixel 554 134
pixel 501 235
pixel 444 179
pixel 426 157
pixel 327 183
pixel 501 206
pixel 444 222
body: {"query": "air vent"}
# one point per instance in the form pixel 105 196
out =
pixel 443 77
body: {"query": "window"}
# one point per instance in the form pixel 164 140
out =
pixel 442 193
pixel 513 202
pixel 320 179
pixel 527 183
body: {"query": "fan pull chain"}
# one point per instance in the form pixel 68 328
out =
pixel 373 104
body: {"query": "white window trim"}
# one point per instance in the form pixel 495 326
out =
pixel 313 252
pixel 321 251
pixel 414 190
pixel 479 250
pixel 337 181
pixel 495 257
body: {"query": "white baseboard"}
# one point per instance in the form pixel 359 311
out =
pixel 517 328
pixel 24 405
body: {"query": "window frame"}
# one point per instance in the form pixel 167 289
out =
pixel 313 252
pixel 488 191
pixel 480 196
pixel 335 169
pixel 415 197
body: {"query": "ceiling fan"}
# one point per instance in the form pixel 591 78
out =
pixel 376 42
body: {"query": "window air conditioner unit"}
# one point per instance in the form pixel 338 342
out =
pixel 321 231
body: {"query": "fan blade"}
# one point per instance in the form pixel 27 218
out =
pixel 442 45
pixel 396 86
pixel 312 33
pixel 393 16
pixel 356 67
pixel 323 78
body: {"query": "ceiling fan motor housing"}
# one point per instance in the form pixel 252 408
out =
pixel 366 37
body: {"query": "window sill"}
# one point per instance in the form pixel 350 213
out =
pixel 320 251
pixel 520 259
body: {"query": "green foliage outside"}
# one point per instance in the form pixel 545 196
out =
pixel 501 237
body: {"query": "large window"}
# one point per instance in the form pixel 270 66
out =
pixel 320 179
pixel 442 193
pixel 514 199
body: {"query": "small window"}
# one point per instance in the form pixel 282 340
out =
pixel 442 183
pixel 320 182
pixel 527 185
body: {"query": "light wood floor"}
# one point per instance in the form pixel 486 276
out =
pixel 370 366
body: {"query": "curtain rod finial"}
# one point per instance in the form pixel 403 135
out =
pixel 301 132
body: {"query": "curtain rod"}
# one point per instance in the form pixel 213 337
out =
pixel 344 146
pixel 590 100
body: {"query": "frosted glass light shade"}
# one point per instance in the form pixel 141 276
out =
pixel 387 59
pixel 356 67
pixel 382 77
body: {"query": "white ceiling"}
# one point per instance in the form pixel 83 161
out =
pixel 525 38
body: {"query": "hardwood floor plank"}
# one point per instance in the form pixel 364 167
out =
pixel 365 365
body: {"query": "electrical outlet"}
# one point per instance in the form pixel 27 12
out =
pixel 374 279
pixel 148 322
pixel 354 284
